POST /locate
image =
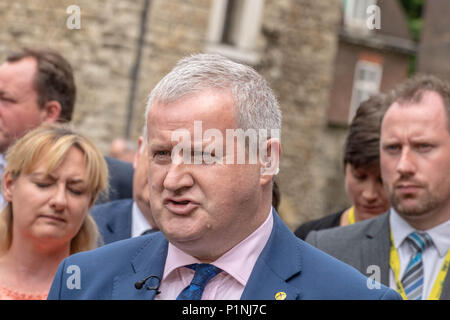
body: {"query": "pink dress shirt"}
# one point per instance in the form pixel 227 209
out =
pixel 237 265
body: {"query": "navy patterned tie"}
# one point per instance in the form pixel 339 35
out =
pixel 203 273
pixel 412 279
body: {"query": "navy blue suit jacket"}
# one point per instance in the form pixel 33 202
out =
pixel 120 180
pixel 286 264
pixel 113 219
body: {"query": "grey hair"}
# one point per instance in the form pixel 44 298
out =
pixel 256 105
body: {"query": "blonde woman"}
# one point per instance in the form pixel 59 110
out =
pixel 52 177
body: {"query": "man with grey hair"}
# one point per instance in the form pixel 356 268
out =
pixel 220 237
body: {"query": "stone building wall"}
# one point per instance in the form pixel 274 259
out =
pixel 297 45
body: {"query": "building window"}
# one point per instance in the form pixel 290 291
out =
pixel 234 28
pixel 366 82
pixel 355 13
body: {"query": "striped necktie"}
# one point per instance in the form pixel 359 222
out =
pixel 203 273
pixel 412 279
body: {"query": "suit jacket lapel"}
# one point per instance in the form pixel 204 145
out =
pixel 279 261
pixel 376 248
pixel 149 260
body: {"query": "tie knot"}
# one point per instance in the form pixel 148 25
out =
pixel 203 273
pixel 420 240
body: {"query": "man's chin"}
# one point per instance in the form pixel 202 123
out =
pixel 412 208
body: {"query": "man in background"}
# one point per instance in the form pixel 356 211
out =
pixel 37 86
pixel 125 218
pixel 409 245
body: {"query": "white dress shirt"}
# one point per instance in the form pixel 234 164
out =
pixel 138 222
pixel 432 257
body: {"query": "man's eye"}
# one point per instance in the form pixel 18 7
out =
pixel 423 147
pixel 161 154
pixel 6 99
pixel 392 148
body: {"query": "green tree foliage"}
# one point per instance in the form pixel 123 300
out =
pixel 413 10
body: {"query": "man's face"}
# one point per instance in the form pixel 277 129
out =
pixel 204 209
pixel 19 109
pixel 415 160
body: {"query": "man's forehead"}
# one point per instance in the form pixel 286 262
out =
pixel 25 66
pixel 20 74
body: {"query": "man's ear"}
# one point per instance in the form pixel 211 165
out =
pixel 270 160
pixel 138 154
pixel 51 111
pixel 8 186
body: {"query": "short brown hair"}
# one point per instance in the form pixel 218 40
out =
pixel 53 80
pixel 412 90
pixel 363 140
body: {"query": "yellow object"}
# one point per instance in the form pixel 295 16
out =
pixel 394 262
pixel 280 295
pixel 351 215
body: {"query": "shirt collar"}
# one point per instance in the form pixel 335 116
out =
pixel 138 222
pixel 237 262
pixel 401 229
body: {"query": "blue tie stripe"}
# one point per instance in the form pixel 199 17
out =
pixel 412 280
pixel 418 241
pixel 203 274
pixel 414 261
pixel 414 285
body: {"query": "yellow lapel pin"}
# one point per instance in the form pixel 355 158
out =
pixel 280 295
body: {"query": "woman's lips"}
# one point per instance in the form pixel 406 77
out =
pixel 53 218
pixel 373 209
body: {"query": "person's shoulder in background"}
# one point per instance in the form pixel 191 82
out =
pixel 120 180
pixel 329 221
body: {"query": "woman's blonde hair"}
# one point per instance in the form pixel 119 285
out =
pixel 50 144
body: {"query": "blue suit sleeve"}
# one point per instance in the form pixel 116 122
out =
pixel 391 295
pixel 55 289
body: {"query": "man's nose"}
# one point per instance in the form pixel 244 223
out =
pixel 406 165
pixel 178 177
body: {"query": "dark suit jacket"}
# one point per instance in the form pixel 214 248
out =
pixel 327 222
pixel 361 245
pixel 120 180
pixel 113 219
pixel 286 264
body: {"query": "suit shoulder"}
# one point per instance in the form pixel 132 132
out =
pixel 116 252
pixel 334 279
pixel 340 235
pixel 327 222
pixel 108 207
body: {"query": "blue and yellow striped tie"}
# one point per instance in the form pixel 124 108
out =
pixel 412 279
pixel 203 273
